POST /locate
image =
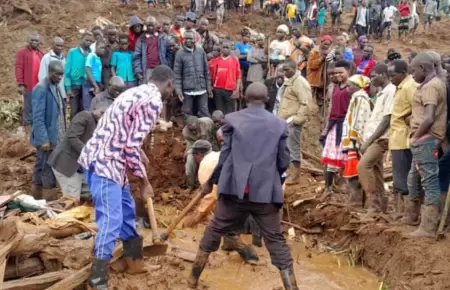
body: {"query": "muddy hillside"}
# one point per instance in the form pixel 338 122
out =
pixel 37 248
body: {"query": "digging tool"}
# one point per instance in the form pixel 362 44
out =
pixel 440 231
pixel 175 222
pixel 158 247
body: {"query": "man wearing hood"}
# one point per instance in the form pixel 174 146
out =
pixel 136 29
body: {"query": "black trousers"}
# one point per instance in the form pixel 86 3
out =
pixel 401 165
pixel 75 101
pixel 231 214
pixel 223 101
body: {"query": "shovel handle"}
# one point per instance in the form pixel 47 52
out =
pixel 152 218
pixel 175 222
pixel 444 215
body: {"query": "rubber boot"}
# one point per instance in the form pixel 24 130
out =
pixel 329 177
pixel 234 243
pixel 399 206
pixel 428 223
pixel 256 240
pixel 294 176
pixel 375 202
pixel 356 198
pixel 132 252
pixel 36 191
pixel 197 268
pixel 288 278
pixel 49 194
pixel 412 211
pixel 98 279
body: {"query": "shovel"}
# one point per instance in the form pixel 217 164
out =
pixel 175 222
pixel 440 231
pixel 158 248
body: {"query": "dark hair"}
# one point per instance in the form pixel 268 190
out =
pixel 200 150
pixel 96 27
pixel 381 68
pixel 290 63
pixel 400 66
pixel 343 63
pixel 110 26
pixel 245 32
pixel 99 42
pixel 162 73
pixel 123 36
pixel 53 64
pixel 86 33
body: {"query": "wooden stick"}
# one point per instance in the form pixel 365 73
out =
pixel 295 226
pixel 11 197
pixel 311 156
pixel 2 273
pixel 443 217
pixel 38 282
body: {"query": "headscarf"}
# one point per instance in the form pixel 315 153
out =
pixel 283 28
pixel 360 80
pixel 360 39
pixel 326 38
pixel 260 36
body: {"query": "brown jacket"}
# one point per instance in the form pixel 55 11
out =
pixel 296 100
pixel 315 69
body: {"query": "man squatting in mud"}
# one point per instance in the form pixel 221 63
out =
pixel 255 189
pixel 114 148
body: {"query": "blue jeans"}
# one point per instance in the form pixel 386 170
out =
pixel 114 214
pixel 87 95
pixel 424 174
pixel 196 104
pixel 42 173
pixel 444 172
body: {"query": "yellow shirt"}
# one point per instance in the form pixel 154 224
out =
pixel 291 10
pixel 402 107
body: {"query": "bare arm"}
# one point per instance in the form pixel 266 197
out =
pixel 428 120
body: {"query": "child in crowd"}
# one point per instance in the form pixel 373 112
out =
pixel 291 13
pixel 93 84
pixel 321 17
pixel 122 62
pixel 227 79
pixel 312 16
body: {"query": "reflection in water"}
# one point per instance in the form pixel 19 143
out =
pixel 313 271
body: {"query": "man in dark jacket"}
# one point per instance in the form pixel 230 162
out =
pixel 249 182
pixel 275 88
pixel 64 158
pixel 150 51
pixel 192 79
pixel 112 44
pixel 208 39
pixel 48 128
pixel 28 60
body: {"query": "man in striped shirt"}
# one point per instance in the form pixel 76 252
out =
pixel 115 147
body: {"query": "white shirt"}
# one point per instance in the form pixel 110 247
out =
pixel 388 13
pixel 362 17
pixel 383 107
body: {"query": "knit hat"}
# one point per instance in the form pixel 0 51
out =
pixel 360 80
pixel 202 145
pixel 283 28
pixel 326 38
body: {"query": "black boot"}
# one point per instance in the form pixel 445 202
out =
pixel 234 243
pixel 199 264
pixel 288 278
pixel 329 177
pixel 98 279
pixel 256 240
pixel 132 252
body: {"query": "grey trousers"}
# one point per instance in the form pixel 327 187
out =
pixel 294 142
pixel 190 168
pixel 73 186
pixel 27 109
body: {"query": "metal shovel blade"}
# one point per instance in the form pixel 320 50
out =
pixel 154 250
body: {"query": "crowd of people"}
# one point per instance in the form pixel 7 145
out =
pixel 118 86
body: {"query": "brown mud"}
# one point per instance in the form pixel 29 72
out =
pixel 403 263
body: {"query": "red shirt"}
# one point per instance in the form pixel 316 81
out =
pixel 177 32
pixel 339 103
pixel 212 63
pixel 35 68
pixel 404 10
pixel 152 52
pixel 227 73
pixel 132 38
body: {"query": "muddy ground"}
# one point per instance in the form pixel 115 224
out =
pixel 403 263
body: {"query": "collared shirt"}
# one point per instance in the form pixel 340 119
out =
pixel 116 143
pixel 401 109
pixel 277 98
pixel 382 108
pixel 94 62
pixel 434 92
pixel 43 70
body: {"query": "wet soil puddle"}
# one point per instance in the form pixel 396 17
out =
pixel 314 271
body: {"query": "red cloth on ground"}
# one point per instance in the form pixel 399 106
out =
pixel 152 52
pixel 227 73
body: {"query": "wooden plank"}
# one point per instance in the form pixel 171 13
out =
pixel 36 283
pixel 11 197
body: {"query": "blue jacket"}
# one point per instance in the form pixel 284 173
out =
pixel 45 108
pixel 140 54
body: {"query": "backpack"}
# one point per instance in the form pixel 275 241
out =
pixel 335 7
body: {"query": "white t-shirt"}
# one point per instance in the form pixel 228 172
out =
pixel 383 107
pixel 388 13
pixel 280 50
pixel 362 17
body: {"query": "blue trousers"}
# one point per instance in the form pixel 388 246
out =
pixel 115 214
pixel 424 173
